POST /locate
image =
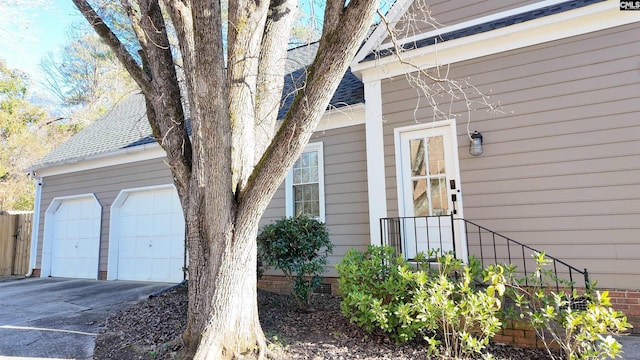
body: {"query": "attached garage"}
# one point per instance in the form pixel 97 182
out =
pixel 147 232
pixel 71 246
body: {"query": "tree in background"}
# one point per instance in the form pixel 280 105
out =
pixel 85 76
pixel 25 136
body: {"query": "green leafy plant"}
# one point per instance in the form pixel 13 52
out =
pixel 582 332
pixel 299 246
pixel 457 305
pixel 440 302
pixel 374 293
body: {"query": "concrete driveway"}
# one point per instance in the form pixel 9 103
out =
pixel 60 318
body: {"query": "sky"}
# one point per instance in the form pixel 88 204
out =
pixel 35 27
pixel 29 29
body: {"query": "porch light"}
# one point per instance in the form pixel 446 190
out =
pixel 475 145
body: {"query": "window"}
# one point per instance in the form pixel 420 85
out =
pixel 305 184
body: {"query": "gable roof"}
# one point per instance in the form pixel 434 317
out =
pixel 126 126
pixel 476 28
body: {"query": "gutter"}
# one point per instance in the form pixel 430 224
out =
pixel 95 157
pixel 35 225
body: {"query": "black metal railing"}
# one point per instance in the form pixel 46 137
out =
pixel 411 235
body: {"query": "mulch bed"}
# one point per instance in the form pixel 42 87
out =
pixel 150 328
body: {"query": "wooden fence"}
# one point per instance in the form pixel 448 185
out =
pixel 15 243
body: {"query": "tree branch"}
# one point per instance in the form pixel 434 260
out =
pixel 332 15
pixel 180 13
pixel 271 70
pixel 164 110
pixel 431 85
pixel 246 26
pixel 134 18
pixel 335 53
pixel 116 45
pixel 210 110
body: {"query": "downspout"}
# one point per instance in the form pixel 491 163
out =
pixel 35 224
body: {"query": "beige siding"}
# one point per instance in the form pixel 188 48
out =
pixel 450 12
pixel 561 167
pixel 106 184
pixel 346 199
pixel 345 191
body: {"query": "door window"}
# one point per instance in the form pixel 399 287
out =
pixel 428 176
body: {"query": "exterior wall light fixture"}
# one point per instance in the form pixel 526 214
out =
pixel 475 145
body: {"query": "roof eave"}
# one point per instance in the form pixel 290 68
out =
pixel 582 20
pixel 348 115
pixel 56 168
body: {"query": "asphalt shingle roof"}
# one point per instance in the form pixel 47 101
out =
pixel 350 91
pixel 488 26
pixel 126 126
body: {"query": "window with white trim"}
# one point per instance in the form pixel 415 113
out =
pixel 305 184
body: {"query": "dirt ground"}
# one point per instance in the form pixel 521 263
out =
pixel 151 330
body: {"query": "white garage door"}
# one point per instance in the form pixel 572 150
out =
pixel 72 233
pixel 149 229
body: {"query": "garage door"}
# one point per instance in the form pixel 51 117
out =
pixel 149 235
pixel 72 236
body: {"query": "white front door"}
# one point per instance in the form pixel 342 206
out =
pixel 428 171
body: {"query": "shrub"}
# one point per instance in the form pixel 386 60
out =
pixel 437 301
pixel 374 293
pixel 581 332
pixel 460 317
pixel 298 246
pixel 456 306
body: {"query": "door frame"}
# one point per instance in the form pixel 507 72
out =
pixel 460 238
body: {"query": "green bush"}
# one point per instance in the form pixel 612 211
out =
pixel 459 317
pixel 436 301
pixel 298 246
pixel 456 307
pixel 581 333
pixel 374 293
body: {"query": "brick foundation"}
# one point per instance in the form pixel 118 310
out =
pixel 627 301
pixel 102 275
pixel 280 285
pixel 519 334
pixel 35 273
pixel 276 284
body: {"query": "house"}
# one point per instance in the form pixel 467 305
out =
pixel 559 169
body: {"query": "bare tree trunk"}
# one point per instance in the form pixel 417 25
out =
pixel 223 286
pixel 233 328
pixel 227 171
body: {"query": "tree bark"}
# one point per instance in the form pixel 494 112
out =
pixel 233 328
pixel 213 212
pixel 271 69
pixel 223 188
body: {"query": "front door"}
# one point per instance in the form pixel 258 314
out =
pixel 428 173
